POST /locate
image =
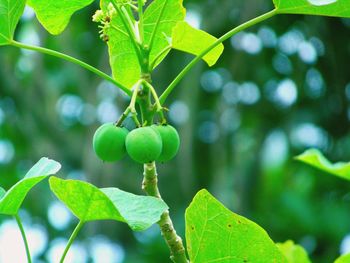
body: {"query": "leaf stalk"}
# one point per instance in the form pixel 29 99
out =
pixel 24 237
pixel 198 58
pixel 71 240
pixel 72 60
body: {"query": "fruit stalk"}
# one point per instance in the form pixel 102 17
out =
pixel 174 242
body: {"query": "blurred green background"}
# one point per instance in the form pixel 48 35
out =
pixel 281 87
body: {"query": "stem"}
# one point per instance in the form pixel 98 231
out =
pixel 161 53
pixel 133 7
pixel 133 103
pixel 140 11
pixel 228 35
pixel 131 24
pixel 174 242
pixel 71 240
pixel 159 108
pixel 123 117
pixel 25 241
pixel 154 94
pixel 73 60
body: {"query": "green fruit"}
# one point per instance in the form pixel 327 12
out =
pixel 144 145
pixel 109 142
pixel 171 142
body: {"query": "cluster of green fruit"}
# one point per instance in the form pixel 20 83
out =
pixel 144 145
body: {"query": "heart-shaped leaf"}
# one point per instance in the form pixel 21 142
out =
pixel 54 15
pixel 194 41
pixel 89 203
pixel 338 8
pixel 10 13
pixel 215 234
pixel 294 253
pixel 315 158
pixel 343 259
pixel 13 198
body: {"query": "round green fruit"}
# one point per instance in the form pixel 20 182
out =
pixel 144 145
pixel 109 142
pixel 171 142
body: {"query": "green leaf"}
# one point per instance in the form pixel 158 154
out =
pixel 122 55
pixel 194 41
pixel 54 15
pixel 10 13
pixel 343 259
pixel 294 253
pixel 123 58
pixel 89 203
pixel 13 199
pixel 339 8
pixel 140 212
pixel 168 13
pixel 316 159
pixel 215 234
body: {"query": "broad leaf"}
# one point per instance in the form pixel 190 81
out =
pixel 316 159
pixel 10 13
pixel 338 8
pixel 294 253
pixel 343 259
pixel 168 13
pixel 140 212
pixel 122 55
pixel 194 41
pixel 89 203
pixel 54 15
pixel 215 234
pixel 12 200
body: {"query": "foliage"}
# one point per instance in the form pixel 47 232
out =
pixel 55 15
pixel 343 259
pixel 88 203
pixel 138 41
pixel 215 234
pixel 11 200
pixel 315 158
pixel 10 13
pixel 293 252
pixel 314 7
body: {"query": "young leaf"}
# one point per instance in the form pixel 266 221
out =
pixel 215 234
pixel 294 253
pixel 122 55
pixel 343 259
pixel 12 200
pixel 54 15
pixel 194 41
pixel 316 159
pixel 162 16
pixel 338 8
pixel 10 13
pixel 89 203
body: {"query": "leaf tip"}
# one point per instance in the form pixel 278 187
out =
pixel 309 152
